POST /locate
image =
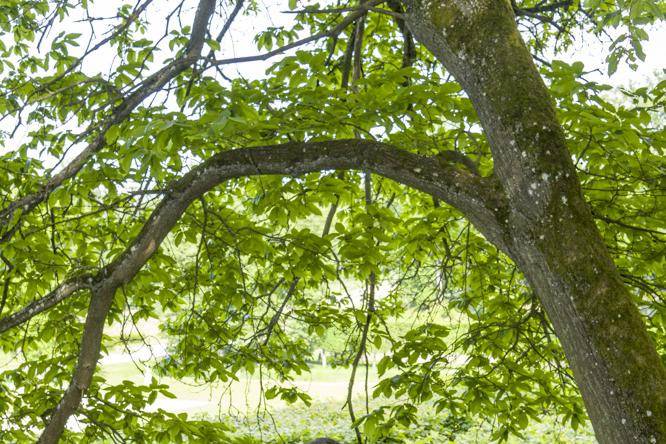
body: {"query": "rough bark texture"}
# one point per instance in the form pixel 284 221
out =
pixel 532 208
pixel 548 230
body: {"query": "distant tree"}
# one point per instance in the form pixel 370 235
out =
pixel 354 181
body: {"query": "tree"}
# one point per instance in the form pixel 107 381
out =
pixel 175 155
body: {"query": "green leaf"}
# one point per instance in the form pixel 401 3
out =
pixel 112 134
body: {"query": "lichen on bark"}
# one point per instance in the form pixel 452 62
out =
pixel 549 229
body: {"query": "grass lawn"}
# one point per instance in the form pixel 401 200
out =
pixel 323 384
pixel 276 421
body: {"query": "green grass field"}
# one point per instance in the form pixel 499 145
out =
pixel 274 420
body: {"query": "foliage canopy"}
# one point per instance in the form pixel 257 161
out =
pixel 99 126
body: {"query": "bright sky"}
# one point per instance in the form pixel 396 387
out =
pixel 587 49
pixel 239 42
pixel 592 53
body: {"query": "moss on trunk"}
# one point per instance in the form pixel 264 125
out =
pixel 549 229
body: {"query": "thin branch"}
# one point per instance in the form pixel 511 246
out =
pixel 119 30
pixel 152 84
pixel 367 181
pixel 330 216
pixel 610 220
pixel 292 287
pixel 550 7
pixel 8 279
pixel 333 32
pixel 362 348
pixel 408 48
pixel 276 317
pixel 225 28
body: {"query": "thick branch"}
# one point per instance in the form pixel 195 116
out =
pixel 122 270
pixel 475 196
pixel 61 292
pixel 469 193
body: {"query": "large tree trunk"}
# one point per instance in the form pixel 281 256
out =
pixel 549 231
pixel 536 214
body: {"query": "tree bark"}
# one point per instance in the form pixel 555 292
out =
pixel 532 209
pixel 548 228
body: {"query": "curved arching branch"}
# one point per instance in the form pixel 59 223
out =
pixel 152 84
pixel 475 196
